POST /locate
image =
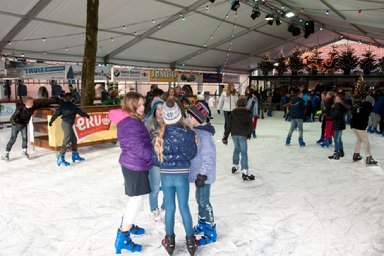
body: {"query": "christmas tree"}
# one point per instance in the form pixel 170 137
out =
pixel 265 65
pixel 348 60
pixel 294 61
pixel 360 91
pixel 282 66
pixel 368 63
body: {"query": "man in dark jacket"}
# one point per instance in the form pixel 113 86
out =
pixel 7 89
pixel 296 112
pixel 19 120
pixel 68 112
pixel 240 126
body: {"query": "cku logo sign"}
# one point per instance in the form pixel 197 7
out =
pixel 97 122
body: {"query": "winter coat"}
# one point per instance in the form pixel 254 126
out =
pixel 255 111
pixel 68 112
pixel 135 143
pixel 116 115
pixel 297 108
pixel 179 148
pixel 379 106
pixel 328 106
pixel 240 123
pixel 360 116
pixel 22 115
pixel 338 117
pixel 227 103
pixel 205 161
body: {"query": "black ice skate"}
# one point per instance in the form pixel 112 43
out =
pixel 356 157
pixel 169 243
pixel 191 245
pixel 246 175
pixel 370 161
pixel 235 168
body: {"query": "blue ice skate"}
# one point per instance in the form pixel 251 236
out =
pixel 136 230
pixel 200 227
pixel 76 157
pixel 210 235
pixel 61 161
pixel 301 142
pixel 288 141
pixel 124 242
pixel 254 134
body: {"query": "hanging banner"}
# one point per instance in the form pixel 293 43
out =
pixel 101 72
pixel 85 127
pixel 44 72
pixel 190 77
pixel 129 74
pixel 161 75
pixel 212 78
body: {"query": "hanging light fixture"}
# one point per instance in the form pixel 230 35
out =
pixel 235 5
pixel 255 13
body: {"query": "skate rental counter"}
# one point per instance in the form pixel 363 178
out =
pixel 98 129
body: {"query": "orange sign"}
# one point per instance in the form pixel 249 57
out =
pixel 97 122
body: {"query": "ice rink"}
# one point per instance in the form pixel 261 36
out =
pixel 300 204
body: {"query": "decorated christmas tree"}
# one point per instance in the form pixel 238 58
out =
pixel 265 65
pixel 315 61
pixel 282 65
pixel 294 62
pixel 381 64
pixel 330 64
pixel 368 63
pixel 360 91
pixel 348 60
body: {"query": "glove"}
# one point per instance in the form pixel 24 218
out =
pixel 225 141
pixel 88 117
pixel 249 137
pixel 50 123
pixel 218 111
pixel 200 180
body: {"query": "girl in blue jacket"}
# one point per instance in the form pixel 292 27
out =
pixel 175 146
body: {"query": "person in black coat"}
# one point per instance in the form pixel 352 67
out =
pixel 19 120
pixel 296 113
pixel 68 112
pixel 7 89
pixel 338 112
pixel 240 126
pixel 359 123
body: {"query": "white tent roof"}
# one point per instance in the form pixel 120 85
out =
pixel 153 32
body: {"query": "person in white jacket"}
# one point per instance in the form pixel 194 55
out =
pixel 227 102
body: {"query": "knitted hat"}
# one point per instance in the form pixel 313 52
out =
pixel 171 113
pixel 155 104
pixel 370 99
pixel 199 112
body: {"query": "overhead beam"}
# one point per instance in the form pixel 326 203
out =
pixel 25 20
pixel 156 28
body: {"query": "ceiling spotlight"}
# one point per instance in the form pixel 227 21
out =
pixel 255 13
pixel 289 14
pixel 294 30
pixel 278 21
pixel 212 1
pixel 235 5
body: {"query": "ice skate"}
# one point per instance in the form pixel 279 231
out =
pixel 246 175
pixel 5 156
pixel 191 245
pixel 61 161
pixel 288 141
pixel 200 227
pixel 335 156
pixel 209 236
pixel 235 168
pixel 156 216
pixel 356 157
pixel 76 157
pixel 301 142
pixel 169 243
pixel 136 230
pixel 124 242
pixel 370 161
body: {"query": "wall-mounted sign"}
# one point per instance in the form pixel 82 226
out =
pixel 101 72
pixel 212 78
pixel 190 77
pixel 44 72
pixel 129 74
pixel 166 75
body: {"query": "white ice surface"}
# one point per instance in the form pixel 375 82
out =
pixel 301 203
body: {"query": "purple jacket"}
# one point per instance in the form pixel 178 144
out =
pixel 135 144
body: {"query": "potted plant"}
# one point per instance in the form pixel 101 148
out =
pixel 265 65
pixel 294 62
pixel 368 63
pixel 348 60
pixel 281 65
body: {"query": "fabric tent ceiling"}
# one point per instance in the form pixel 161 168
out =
pixel 172 33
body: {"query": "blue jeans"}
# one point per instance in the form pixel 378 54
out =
pixel 338 141
pixel 173 185
pixel 296 123
pixel 204 205
pixel 227 115
pixel 241 147
pixel 15 131
pixel 154 181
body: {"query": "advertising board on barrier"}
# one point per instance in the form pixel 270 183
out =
pixel 101 72
pixel 166 75
pixel 129 74
pixel 85 127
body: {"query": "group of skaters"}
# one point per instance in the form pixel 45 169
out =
pixel 334 110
